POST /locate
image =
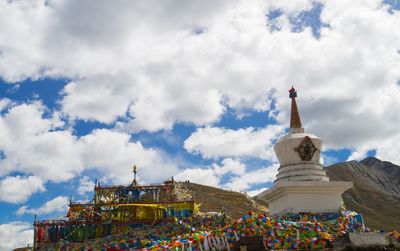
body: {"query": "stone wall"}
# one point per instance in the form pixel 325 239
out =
pixel 369 239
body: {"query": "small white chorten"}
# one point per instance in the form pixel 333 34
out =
pixel 301 184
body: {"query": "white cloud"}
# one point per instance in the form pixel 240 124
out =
pixel 161 108
pixel 254 177
pixel 107 96
pixel 229 165
pixel 102 98
pixel 211 176
pixel 255 192
pixel 4 103
pixel 241 179
pixel 148 62
pixel 205 176
pixel 86 185
pixel 327 160
pixel 18 189
pixel 290 7
pixel 389 150
pixel 34 142
pixel 358 154
pixel 58 204
pixel 113 154
pixel 214 142
pixel 15 234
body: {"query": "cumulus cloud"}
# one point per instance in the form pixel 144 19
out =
pixel 18 189
pixel 240 179
pixel 215 142
pixel 388 150
pixel 34 144
pixel 191 63
pixel 256 192
pixel 34 141
pixel 359 154
pixel 258 176
pixel 58 204
pixel 114 155
pixel 4 102
pixel 102 98
pixel 205 176
pixel 188 68
pixel 211 176
pixel 15 234
pixel 340 109
pixel 290 7
pixel 86 185
pixel 229 165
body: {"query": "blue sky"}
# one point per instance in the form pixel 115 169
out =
pixel 197 91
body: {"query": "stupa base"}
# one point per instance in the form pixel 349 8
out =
pixel 305 196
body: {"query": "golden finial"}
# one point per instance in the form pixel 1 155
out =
pixel 134 182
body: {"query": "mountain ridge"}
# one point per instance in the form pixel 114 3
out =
pixel 375 193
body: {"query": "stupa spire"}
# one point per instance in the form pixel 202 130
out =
pixel 295 121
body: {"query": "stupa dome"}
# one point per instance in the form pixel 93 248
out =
pixel 299 152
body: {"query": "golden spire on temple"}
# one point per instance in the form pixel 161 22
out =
pixel 295 121
pixel 134 182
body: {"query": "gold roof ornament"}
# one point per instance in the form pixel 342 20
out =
pixel 134 182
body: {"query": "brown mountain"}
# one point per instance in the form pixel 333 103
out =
pixel 375 193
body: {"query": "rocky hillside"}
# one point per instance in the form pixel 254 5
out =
pixel 376 190
pixel 214 199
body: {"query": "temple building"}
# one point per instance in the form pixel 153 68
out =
pixel 301 184
pixel 117 209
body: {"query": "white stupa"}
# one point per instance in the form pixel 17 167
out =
pixel 301 184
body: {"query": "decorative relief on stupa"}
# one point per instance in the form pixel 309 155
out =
pixel 306 149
